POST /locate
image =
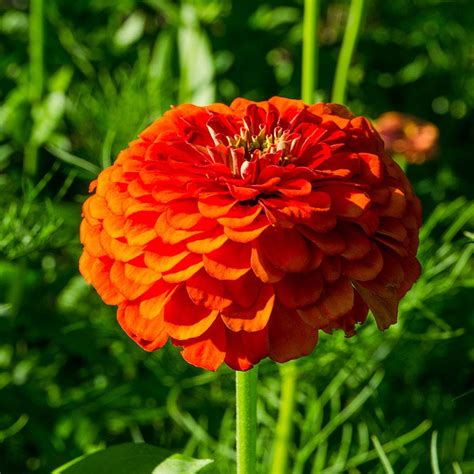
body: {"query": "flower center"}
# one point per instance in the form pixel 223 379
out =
pixel 279 142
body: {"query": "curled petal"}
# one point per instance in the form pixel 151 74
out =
pixel 208 350
pixel 185 320
pixel 150 334
pixel 207 291
pixel 254 318
pixel 229 262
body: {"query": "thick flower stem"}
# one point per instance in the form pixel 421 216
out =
pixel 284 428
pixel 246 402
pixel 309 76
pixel 347 49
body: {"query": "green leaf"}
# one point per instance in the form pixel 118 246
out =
pixel 181 464
pixel 131 30
pixel 195 61
pixel 139 458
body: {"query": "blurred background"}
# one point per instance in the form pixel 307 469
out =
pixel 78 80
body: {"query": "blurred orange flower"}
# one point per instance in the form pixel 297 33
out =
pixel 239 232
pixel 409 136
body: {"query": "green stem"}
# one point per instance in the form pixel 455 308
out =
pixel 246 402
pixel 309 74
pixel 36 80
pixel 284 428
pixel 347 49
pixel 36 49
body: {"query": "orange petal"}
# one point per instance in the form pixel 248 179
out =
pixel 139 234
pixel 142 275
pixel 357 243
pixel 290 337
pixel 208 242
pixel 90 238
pixel 245 290
pixel 286 249
pixel 331 243
pixel 347 200
pixel 245 349
pixel 85 265
pixel 396 205
pixel 331 268
pixel 295 188
pixel 169 234
pixel 159 295
pixel 384 308
pixel 150 334
pixel 262 268
pixel 300 289
pixel 207 291
pixel 184 269
pixel 250 232
pixel 97 207
pixel 313 316
pixel 216 205
pixel 240 216
pixel 100 279
pixel 207 351
pixel 366 268
pixel 347 322
pixel 129 288
pixel 337 298
pixel 185 215
pixel 371 168
pixel 229 262
pixel 393 228
pixel 254 318
pixel 164 257
pixel 185 320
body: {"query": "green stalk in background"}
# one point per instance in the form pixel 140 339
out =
pixel 36 82
pixel 289 371
pixel 347 49
pixel 246 421
pixel 284 428
pixel 309 76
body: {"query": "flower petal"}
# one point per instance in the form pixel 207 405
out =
pixel 150 334
pixel 290 337
pixel 286 249
pixel 185 320
pixel 300 289
pixel 229 262
pixel 207 351
pixel 207 291
pixel 254 318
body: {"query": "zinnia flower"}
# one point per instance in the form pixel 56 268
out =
pixel 415 139
pixel 239 232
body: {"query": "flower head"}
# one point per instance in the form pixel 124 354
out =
pixel 409 136
pixel 239 232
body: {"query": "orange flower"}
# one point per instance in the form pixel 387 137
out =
pixel 239 232
pixel 409 136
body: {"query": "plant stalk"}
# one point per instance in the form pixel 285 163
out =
pixel 347 49
pixel 309 76
pixel 246 403
pixel 284 428
pixel 36 79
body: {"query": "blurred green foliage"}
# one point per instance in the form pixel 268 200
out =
pixel 72 382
